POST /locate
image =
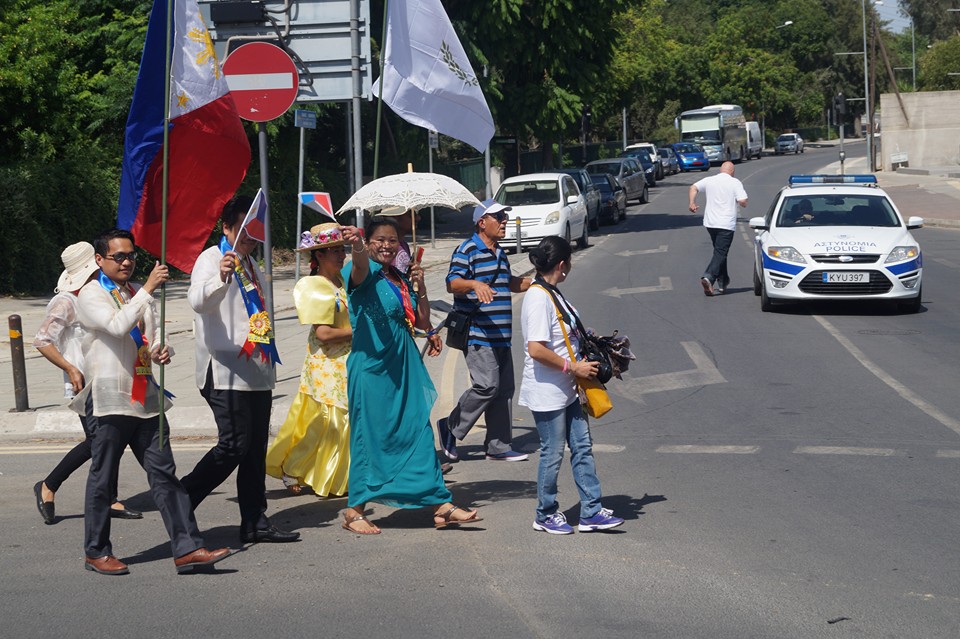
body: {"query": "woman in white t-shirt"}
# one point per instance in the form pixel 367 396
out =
pixel 549 390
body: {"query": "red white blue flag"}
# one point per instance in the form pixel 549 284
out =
pixel 208 148
pixel 255 220
pixel 319 202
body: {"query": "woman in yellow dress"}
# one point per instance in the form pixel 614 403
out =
pixel 313 445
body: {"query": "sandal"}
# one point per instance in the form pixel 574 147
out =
pixel 292 484
pixel 445 519
pixel 349 521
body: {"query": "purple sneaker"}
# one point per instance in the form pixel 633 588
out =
pixel 555 524
pixel 601 521
pixel 510 455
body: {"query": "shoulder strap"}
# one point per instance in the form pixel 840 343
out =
pixel 563 329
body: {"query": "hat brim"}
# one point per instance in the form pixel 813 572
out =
pixel 317 247
pixel 73 281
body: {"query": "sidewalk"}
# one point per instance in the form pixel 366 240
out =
pixel 931 193
pixel 48 417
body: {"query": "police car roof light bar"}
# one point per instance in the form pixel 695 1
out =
pixel 833 179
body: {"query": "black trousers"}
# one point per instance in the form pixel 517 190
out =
pixel 77 457
pixel 109 435
pixel 243 425
pixel 717 268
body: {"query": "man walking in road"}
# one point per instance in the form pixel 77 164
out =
pixel 724 193
pixel 235 355
pixel 122 405
pixel 481 283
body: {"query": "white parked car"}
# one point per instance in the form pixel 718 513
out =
pixel 834 237
pixel 546 204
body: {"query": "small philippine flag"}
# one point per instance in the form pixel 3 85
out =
pixel 256 217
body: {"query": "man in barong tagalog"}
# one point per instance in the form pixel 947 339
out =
pixel 122 405
pixel 235 354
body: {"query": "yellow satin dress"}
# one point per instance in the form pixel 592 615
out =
pixel 313 445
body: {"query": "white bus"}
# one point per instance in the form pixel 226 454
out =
pixel 720 129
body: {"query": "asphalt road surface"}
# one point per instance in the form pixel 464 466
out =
pixel 792 475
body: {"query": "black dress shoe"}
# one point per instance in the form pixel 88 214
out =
pixel 125 513
pixel 46 508
pixel 268 535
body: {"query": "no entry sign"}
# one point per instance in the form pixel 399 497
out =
pixel 263 80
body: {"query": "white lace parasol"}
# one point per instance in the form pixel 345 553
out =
pixel 410 191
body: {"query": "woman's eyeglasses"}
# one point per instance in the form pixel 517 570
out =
pixel 120 258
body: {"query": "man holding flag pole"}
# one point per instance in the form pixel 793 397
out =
pixel 235 355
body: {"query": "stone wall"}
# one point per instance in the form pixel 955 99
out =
pixel 932 137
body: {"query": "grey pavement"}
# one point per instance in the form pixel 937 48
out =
pixel 933 195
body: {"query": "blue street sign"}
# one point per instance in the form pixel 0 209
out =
pixel 305 119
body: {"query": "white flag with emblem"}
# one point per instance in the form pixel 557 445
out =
pixel 427 79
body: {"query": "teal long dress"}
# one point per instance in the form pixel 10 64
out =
pixel 392 456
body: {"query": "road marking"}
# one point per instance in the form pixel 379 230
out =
pixel 608 448
pixel 948 454
pixel 59 449
pixel 887 379
pixel 705 373
pixel 946 262
pixel 662 249
pixel 665 285
pixel 709 450
pixel 846 450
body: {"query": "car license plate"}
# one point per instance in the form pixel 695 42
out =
pixel 846 277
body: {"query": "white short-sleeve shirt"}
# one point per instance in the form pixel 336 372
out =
pixel 722 191
pixel 543 388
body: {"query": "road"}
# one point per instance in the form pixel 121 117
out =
pixel 790 475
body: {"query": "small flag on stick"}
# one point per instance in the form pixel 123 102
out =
pixel 319 202
pixel 256 217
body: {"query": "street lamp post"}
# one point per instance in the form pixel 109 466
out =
pixel 866 90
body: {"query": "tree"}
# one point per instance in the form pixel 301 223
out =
pixel 938 63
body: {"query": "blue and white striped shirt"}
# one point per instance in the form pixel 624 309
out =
pixel 492 323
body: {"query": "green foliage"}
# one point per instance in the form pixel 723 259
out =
pixel 936 66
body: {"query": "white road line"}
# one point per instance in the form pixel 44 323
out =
pixel 608 448
pixel 661 249
pixel 846 450
pixel 703 374
pixel 948 454
pixel 887 379
pixel 946 262
pixel 665 285
pixel 709 450
pixel 59 449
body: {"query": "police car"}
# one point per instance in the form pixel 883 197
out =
pixel 836 237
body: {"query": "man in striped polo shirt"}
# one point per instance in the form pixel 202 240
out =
pixel 481 283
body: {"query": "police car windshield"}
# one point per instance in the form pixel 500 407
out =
pixel 836 210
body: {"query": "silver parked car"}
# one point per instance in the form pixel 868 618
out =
pixel 788 143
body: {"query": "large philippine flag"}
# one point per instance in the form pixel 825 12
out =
pixel 208 148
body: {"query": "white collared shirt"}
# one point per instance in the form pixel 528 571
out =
pixel 221 326
pixel 110 354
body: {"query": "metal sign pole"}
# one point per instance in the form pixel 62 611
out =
pixel 267 239
pixel 303 132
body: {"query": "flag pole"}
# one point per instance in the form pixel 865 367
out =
pixel 163 204
pixel 383 53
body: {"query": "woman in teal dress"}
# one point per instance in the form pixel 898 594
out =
pixel 392 455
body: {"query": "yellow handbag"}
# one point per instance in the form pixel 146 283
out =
pixel 593 395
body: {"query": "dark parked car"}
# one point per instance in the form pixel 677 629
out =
pixel 691 156
pixel 649 170
pixel 628 173
pixel 668 159
pixel 590 195
pixel 613 200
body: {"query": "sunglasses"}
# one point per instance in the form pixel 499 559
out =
pixel 499 216
pixel 120 258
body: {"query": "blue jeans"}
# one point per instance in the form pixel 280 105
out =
pixel 558 427
pixel 717 269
